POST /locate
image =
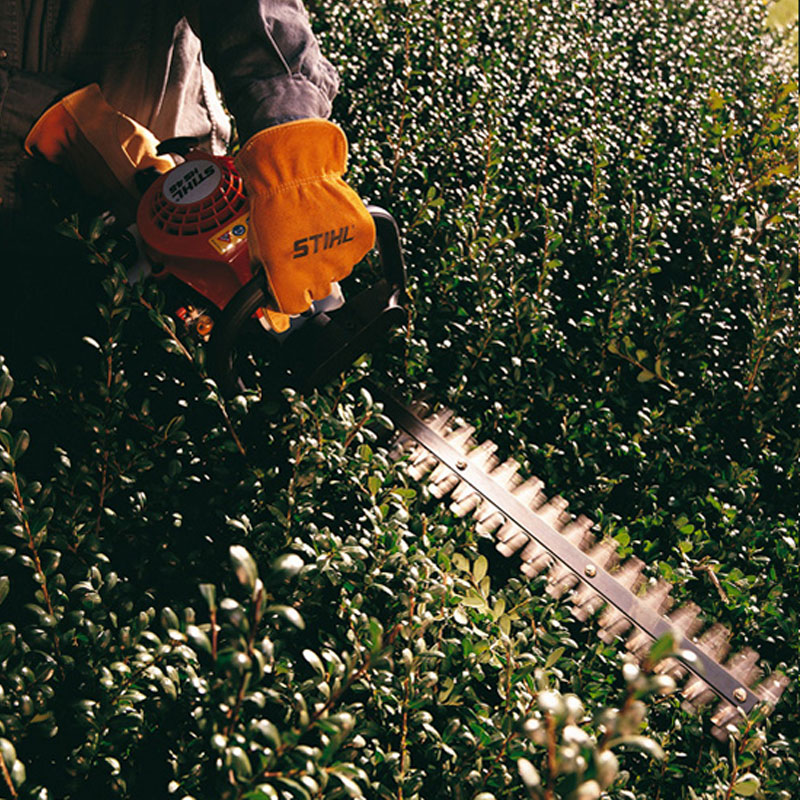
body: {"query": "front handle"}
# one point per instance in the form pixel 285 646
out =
pixel 255 294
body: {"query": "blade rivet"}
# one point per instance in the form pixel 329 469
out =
pixel 461 464
pixel 740 694
pixel 590 570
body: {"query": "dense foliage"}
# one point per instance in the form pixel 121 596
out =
pixel 211 598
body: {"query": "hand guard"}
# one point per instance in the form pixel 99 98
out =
pixel 102 147
pixel 308 228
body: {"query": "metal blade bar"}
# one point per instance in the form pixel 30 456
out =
pixel 642 616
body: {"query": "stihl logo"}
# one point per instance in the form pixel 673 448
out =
pixel 182 186
pixel 321 241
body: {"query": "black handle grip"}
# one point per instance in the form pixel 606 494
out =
pixel 387 239
pixel 255 294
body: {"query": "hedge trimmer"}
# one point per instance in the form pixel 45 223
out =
pixel 193 221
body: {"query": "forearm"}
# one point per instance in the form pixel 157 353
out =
pixel 266 60
pixel 23 98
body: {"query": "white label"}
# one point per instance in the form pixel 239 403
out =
pixel 191 181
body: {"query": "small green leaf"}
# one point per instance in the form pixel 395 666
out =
pixel 291 615
pixel 461 562
pixel 499 608
pixel 554 656
pixel 5 585
pixel 209 592
pixel 664 646
pixel 244 566
pixel 641 743
pixel 315 661
pixel 198 639
pixel 747 785
pixel 288 565
pixel 645 375
pixel 479 568
pixel 21 443
pixel 350 786
pixel 715 100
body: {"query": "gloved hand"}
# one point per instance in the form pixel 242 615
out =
pixel 307 228
pixel 102 147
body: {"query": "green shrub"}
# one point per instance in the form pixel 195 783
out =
pixel 247 599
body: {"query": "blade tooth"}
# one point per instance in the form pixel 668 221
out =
pixel 685 622
pixel 486 515
pixel 466 506
pixel 530 492
pixel 532 550
pixel 614 622
pixel 532 568
pixel 658 598
pixel 744 667
pixel 536 564
pixel 771 688
pixel 510 546
pixel 490 523
pixel 421 464
pixel 443 480
pixel 483 458
pixel 613 630
pixel 585 600
pixel 489 518
pixel 438 420
pixel 534 559
pixel 714 642
pixel 506 474
pixel 560 578
pixel 696 694
pixel 402 444
pixel 576 533
pixel 507 530
pixel 444 485
pixel 589 605
pixel 552 512
pixel 440 474
pixel 460 437
pixel 724 715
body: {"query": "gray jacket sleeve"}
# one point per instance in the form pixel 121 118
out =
pixel 24 96
pixel 266 60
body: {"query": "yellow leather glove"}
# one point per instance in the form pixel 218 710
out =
pixel 102 147
pixel 308 228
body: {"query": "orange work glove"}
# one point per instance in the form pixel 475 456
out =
pixel 102 147
pixel 308 228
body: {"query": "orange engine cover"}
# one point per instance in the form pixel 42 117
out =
pixel 193 220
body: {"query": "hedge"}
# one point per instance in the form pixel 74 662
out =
pixel 248 598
